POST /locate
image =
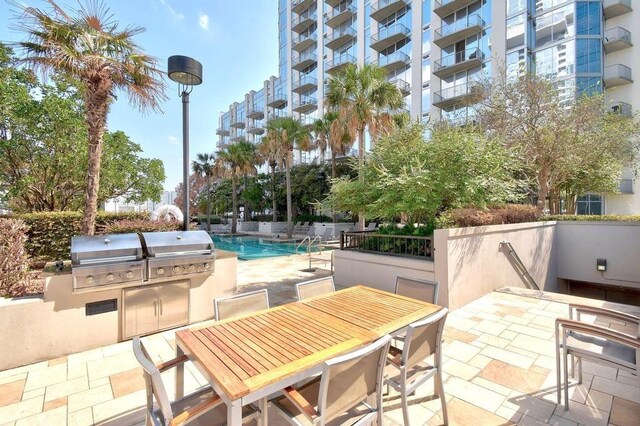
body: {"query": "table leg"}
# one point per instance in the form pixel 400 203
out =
pixel 263 420
pixel 179 374
pixel 234 413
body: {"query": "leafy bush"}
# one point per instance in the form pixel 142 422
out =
pixel 311 218
pixel 593 218
pixel 494 215
pixel 14 263
pixel 408 229
pixel 141 225
pixel 202 219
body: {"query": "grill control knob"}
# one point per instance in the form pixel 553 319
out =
pixel 129 275
pixel 192 268
pixel 176 269
pixel 206 266
pixel 160 271
pixel 110 277
pixel 89 280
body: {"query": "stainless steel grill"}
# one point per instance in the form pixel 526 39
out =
pixel 106 261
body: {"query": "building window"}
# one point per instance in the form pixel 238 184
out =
pixel 588 20
pixel 555 26
pixel 515 31
pixel 426 98
pixel 589 56
pixel 589 204
pixel 514 6
pixel 588 86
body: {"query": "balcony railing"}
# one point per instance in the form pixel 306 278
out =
pixel 456 31
pixel 388 36
pixel 298 6
pixel 616 39
pixel 617 75
pixel 277 100
pixel 380 9
pixel 303 41
pixel 302 61
pixel 391 245
pixel 255 112
pixel 304 83
pixel 305 104
pixel 339 36
pixel 403 86
pixel 222 131
pixel 458 61
pixel 255 129
pixel 613 8
pixel 445 8
pixel 393 61
pixel 340 14
pixel 237 122
pixel 621 108
pixel 303 22
pixel 339 62
pixel 457 95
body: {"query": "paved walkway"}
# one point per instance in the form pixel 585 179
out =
pixel 498 362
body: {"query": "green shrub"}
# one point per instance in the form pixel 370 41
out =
pixel 593 218
pixel 141 225
pixel 312 218
pixel 202 219
pixel 408 229
pixel 14 263
pixel 494 215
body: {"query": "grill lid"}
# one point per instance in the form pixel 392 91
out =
pixel 100 248
pixel 177 243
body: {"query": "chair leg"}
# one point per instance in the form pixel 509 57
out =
pixel 566 382
pixel 558 391
pixel 405 404
pixel 573 366
pixel 443 400
pixel 579 371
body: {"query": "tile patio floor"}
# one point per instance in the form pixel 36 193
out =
pixel 498 362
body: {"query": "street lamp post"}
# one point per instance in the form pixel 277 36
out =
pixel 187 72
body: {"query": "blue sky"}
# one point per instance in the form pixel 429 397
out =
pixel 236 42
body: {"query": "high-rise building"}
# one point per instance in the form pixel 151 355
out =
pixel 436 50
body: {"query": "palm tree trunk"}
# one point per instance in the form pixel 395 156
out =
pixel 288 178
pixel 273 193
pixel 97 106
pixel 334 216
pixel 208 203
pixel 234 205
pixel 360 165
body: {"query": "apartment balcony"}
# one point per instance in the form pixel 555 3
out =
pixel 459 61
pixel 459 30
pixel 621 108
pixel 613 8
pixel 298 6
pixel 444 8
pixel 381 9
pixel 393 61
pixel 305 105
pixel 256 112
pixel 616 39
pixel 222 131
pixel 304 84
pixel 464 94
pixel 237 138
pixel 332 3
pixel 617 75
pixel 255 129
pixel 339 15
pixel 302 61
pixel 301 42
pixel 237 122
pixel 302 22
pixel 388 36
pixel 308 121
pixel 339 36
pixel 403 86
pixel 277 100
pixel 222 144
pixel 339 62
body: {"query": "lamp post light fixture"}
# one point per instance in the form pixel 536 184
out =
pixel 187 72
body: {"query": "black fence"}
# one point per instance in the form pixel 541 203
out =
pixel 392 245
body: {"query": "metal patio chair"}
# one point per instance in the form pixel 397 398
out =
pixel 239 304
pixel 415 288
pixel 340 395
pixel 598 344
pixel 317 287
pixel 408 368
pixel 202 407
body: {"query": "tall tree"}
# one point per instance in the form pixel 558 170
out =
pixel 286 134
pixel 237 160
pixel 364 98
pixel 204 166
pixel 271 151
pixel 90 47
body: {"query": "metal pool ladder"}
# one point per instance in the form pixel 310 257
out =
pixel 310 241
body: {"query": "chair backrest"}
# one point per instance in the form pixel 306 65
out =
pixel 153 381
pixel 313 288
pixel 350 379
pixel 424 290
pixel 423 339
pixel 245 303
pixel 328 233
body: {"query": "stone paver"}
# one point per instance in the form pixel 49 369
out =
pixel 499 368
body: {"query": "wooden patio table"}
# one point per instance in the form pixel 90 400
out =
pixel 250 357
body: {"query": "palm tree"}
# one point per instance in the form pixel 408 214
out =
pixel 270 150
pixel 364 99
pixel 235 161
pixel 204 166
pixel 104 59
pixel 286 134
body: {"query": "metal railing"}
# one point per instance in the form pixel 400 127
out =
pixel 448 29
pixel 617 33
pixel 519 265
pixel 395 57
pixel 457 57
pixel 386 32
pixel 392 245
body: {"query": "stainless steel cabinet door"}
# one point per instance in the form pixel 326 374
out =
pixel 173 302
pixel 141 311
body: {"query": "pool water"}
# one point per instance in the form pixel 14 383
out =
pixel 250 247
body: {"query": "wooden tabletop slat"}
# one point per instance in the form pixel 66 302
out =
pixel 249 352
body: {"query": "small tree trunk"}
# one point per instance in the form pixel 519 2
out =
pixel 288 179
pixel 360 165
pixel 234 206
pixel 543 190
pixel 273 193
pixel 334 216
pixel 96 106
pixel 208 203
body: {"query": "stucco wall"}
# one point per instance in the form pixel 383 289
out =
pixel 469 262
pixel 580 244
pixel 377 271
pixel 55 324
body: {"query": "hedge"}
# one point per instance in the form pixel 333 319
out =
pixel 495 215
pixel 49 234
pixel 593 218
pixel 14 264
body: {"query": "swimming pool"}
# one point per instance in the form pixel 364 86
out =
pixel 250 247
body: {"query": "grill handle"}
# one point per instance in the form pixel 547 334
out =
pixel 160 307
pixel 155 308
